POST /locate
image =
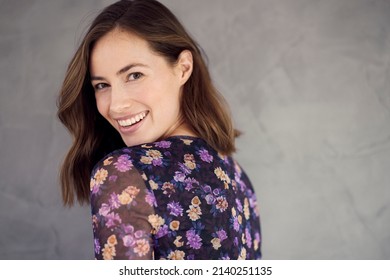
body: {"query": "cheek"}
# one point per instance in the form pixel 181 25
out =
pixel 102 105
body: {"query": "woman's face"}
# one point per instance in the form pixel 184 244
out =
pixel 137 91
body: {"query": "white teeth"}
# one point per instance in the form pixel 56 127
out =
pixel 133 120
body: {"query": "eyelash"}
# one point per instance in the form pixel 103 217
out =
pixel 135 75
pixel 139 74
pixel 100 86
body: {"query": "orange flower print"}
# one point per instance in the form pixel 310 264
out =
pixel 146 146
pixel 195 201
pixel 132 191
pixel 222 204
pixel 156 221
pixel 168 188
pixel 154 154
pixel 190 165
pixel 92 184
pixel 216 243
pixel 194 212
pixel 146 160
pixel 124 198
pixel 189 157
pixel 176 255
pixel 111 240
pixel 153 185
pixel 234 212
pixel 242 255
pixel 189 161
pixel 187 141
pixel 221 175
pixel 193 184
pixel 107 161
pixel 174 225
pixel 100 176
pixel 142 247
pixel 108 252
pixel 256 244
pixel 178 243
pixel 246 209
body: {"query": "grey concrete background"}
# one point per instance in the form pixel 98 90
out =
pixel 308 83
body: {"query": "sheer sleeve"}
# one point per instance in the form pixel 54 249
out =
pixel 121 209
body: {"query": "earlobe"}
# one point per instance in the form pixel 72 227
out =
pixel 185 63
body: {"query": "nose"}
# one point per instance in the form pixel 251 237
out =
pixel 120 100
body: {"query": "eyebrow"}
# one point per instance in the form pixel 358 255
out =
pixel 121 71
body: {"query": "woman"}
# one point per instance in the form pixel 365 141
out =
pixel 156 136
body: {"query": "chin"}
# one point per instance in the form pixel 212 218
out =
pixel 135 141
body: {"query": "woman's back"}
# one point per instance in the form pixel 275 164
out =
pixel 173 199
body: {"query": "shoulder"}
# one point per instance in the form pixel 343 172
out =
pixel 131 162
pixel 156 159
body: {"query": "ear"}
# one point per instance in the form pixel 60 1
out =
pixel 184 66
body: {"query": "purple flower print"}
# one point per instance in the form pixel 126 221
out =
pixel 224 257
pixel 95 188
pixel 123 163
pixel 221 235
pixel 112 178
pixel 114 201
pixel 179 176
pixel 104 209
pixel 257 237
pixel 242 186
pixel 182 176
pixel 194 240
pixel 184 168
pixel 128 240
pixel 163 144
pixel 162 231
pixel 239 205
pixel 210 199
pixel 252 200
pixel 138 234
pixel 248 238
pixel 207 189
pixel 205 156
pixel 97 246
pixel 236 224
pixel 127 229
pixel 111 218
pixel 157 162
pixel 189 183
pixel 150 199
pixel 175 209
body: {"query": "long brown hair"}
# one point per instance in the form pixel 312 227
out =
pixel 202 107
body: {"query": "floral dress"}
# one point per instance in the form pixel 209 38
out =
pixel 173 199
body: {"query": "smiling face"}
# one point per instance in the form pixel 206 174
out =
pixel 138 91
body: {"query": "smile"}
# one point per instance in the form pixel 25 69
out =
pixel 133 120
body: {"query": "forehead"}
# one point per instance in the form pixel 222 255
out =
pixel 118 47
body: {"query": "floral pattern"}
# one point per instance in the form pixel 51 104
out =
pixel 173 199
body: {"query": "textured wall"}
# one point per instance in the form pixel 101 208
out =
pixel 308 83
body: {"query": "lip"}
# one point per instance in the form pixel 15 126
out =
pixel 131 116
pixel 132 128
